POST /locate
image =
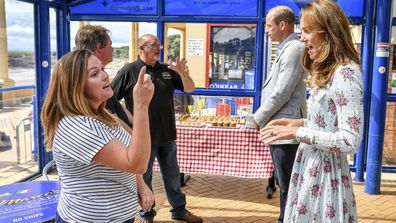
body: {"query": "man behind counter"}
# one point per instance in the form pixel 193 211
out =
pixel 162 119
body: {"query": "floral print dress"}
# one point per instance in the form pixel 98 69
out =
pixel 321 185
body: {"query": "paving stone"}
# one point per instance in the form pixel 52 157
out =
pixel 228 199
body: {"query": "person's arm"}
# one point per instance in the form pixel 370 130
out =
pixel 146 197
pixel 289 75
pixel 135 156
pixel 347 104
pixel 287 122
pixel 182 69
pixel 280 129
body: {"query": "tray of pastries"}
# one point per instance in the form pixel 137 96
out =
pixel 223 124
pixel 187 120
pixel 210 121
pixel 225 121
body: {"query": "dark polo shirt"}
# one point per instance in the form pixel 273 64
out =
pixel 114 106
pixel 161 108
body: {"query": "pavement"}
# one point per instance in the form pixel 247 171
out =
pixel 223 199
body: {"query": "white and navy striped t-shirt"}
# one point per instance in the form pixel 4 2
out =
pixel 91 192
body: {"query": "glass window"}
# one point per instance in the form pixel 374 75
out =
pixel 389 154
pixel 53 35
pixel 218 55
pixel 392 75
pixel 123 35
pixel 18 156
pixel 394 9
pixel 209 109
pixel 19 43
pixel 232 56
pixel 392 70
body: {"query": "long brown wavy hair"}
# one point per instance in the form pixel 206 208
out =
pixel 66 94
pixel 325 16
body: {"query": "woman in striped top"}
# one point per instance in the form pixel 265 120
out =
pixel 99 158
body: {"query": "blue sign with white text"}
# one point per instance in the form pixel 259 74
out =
pixel 243 8
pixel 226 84
pixel 212 7
pixel 128 7
pixel 352 8
pixel 29 202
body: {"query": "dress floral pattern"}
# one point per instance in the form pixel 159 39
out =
pixel 321 185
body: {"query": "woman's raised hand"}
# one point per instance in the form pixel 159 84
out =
pixel 144 89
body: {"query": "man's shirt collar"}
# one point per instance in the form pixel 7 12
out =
pixel 142 63
pixel 289 38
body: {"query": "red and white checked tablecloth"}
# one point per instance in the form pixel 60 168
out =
pixel 222 151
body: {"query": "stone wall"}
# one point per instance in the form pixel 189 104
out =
pixel 21 59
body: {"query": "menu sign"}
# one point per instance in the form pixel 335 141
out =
pixel 34 201
pixel 134 7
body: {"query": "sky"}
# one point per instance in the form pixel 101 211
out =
pixel 20 28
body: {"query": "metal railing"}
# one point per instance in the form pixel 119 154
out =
pixel 14 88
pixel 26 125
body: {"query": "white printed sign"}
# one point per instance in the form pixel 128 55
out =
pixel 195 47
pixel 382 50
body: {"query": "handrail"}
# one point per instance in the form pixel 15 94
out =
pixel 14 88
pixel 17 137
pixel 47 168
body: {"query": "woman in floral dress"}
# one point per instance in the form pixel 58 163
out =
pixel 321 185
